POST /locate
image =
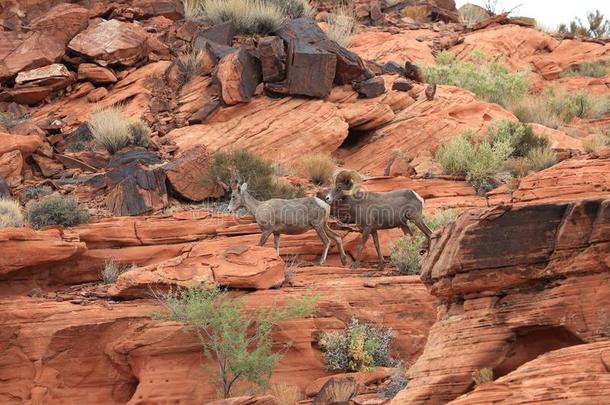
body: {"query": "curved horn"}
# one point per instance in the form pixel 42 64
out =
pixel 346 176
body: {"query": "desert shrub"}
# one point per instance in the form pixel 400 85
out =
pixel 406 252
pixel 112 130
pixel 222 327
pixel 248 16
pixel 295 8
pixel 596 26
pixel 471 14
pixel 541 158
pixel 245 166
pixel 555 107
pixel 483 376
pixel 340 26
pixel 398 382
pixel 589 69
pixel 286 394
pixel 10 213
pixel 479 162
pixel 112 270
pixel 318 168
pixel 8 120
pixel 360 347
pixel 33 192
pixel 56 210
pixel 518 167
pixel 489 79
pixel 190 64
pixel 519 136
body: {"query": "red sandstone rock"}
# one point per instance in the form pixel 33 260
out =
pixel 238 74
pixel 95 73
pixel 51 246
pixel 503 310
pixel 574 375
pixel 11 165
pixel 185 174
pixel 220 262
pixel 97 94
pixel 111 42
pixel 26 144
pixel 55 76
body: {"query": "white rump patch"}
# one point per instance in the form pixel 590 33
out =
pixel 323 204
pixel 419 198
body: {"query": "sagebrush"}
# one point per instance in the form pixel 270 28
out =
pixel 244 166
pixel 11 215
pixel 360 347
pixel 489 79
pixel 238 343
pixel 56 210
pixel 406 252
pixel 114 131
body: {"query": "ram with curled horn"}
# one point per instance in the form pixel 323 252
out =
pixel 372 211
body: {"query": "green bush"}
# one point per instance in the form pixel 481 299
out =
pixel 10 213
pixel 360 347
pixel 244 166
pixel 33 192
pixel 597 26
pixel 112 130
pixel 588 69
pixel 8 120
pixel 506 149
pixel 56 210
pixel 239 344
pixel 489 80
pixel 406 253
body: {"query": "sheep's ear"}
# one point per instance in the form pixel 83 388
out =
pixel 243 187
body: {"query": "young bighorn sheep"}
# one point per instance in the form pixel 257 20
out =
pixel 279 216
pixel 373 211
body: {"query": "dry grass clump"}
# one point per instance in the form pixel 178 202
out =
pixel 190 64
pixel 483 375
pixel 318 168
pixel 541 158
pixel 555 107
pixel 112 130
pixel 112 270
pixel 589 69
pixel 416 13
pixel 286 394
pixel 341 26
pixel 10 213
pixel 249 16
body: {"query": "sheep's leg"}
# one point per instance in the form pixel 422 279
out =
pixel 378 249
pixel 419 222
pixel 339 243
pixel 406 230
pixel 264 236
pixel 325 241
pixel 276 242
pixel 363 238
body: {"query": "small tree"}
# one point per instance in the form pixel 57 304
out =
pixel 240 345
pixel 597 26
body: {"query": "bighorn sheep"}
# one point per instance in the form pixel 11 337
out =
pixel 278 216
pixel 373 211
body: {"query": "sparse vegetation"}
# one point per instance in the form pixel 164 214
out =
pixel 489 79
pixel 8 120
pixel 589 69
pixel 555 107
pixel 112 130
pixel 486 162
pixel 112 270
pixel 10 213
pixel 56 209
pixel 190 64
pixel 406 252
pixel 239 344
pixel 596 26
pixel 340 26
pixel 339 390
pixel 483 376
pixel 359 347
pixel 416 13
pixel 471 14
pixel 286 394
pixel 244 166
pixel 33 192
pixel 398 382
pixel 318 168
